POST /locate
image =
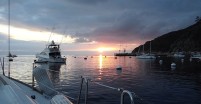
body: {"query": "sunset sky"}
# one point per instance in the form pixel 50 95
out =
pixel 88 27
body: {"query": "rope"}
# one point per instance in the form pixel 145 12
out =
pixel 113 88
pixel 105 85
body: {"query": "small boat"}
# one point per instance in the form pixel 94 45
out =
pixel 10 59
pixel 51 54
pixel 196 56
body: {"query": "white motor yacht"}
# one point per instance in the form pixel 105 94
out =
pixel 51 54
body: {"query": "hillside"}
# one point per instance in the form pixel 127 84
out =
pixel 188 39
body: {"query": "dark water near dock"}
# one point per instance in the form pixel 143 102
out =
pixel 153 83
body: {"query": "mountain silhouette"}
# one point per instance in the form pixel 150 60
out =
pixel 184 40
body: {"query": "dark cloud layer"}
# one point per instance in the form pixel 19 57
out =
pixel 108 21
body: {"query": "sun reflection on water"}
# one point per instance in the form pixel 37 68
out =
pixel 100 61
pixel 100 65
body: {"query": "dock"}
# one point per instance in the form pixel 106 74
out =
pixel 124 54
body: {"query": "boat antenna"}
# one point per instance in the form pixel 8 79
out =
pixel 120 48
pixel 63 37
pixel 53 28
pixel 9 38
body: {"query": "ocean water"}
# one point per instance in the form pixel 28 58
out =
pixel 150 81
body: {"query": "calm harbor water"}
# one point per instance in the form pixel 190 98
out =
pixel 153 83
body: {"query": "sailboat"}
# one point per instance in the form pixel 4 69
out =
pixel 16 92
pixel 10 56
pixel 146 55
pixel 13 91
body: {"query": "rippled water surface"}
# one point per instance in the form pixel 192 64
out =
pixel 152 83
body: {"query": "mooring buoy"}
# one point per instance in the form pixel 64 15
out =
pixel 119 67
pixel 160 62
pixel 173 65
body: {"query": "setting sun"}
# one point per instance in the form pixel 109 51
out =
pixel 102 49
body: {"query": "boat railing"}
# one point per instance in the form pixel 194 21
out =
pixel 2 65
pixel 130 96
pixel 49 91
pixel 86 81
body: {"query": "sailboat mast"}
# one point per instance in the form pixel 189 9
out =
pixel 9 38
pixel 139 50
pixel 150 47
pixel 143 48
pixel 119 48
pixel 8 27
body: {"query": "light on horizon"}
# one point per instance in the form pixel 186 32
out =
pixel 102 49
pixel 31 35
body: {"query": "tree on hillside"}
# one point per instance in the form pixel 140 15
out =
pixel 197 19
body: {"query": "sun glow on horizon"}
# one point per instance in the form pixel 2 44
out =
pixel 31 35
pixel 102 49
